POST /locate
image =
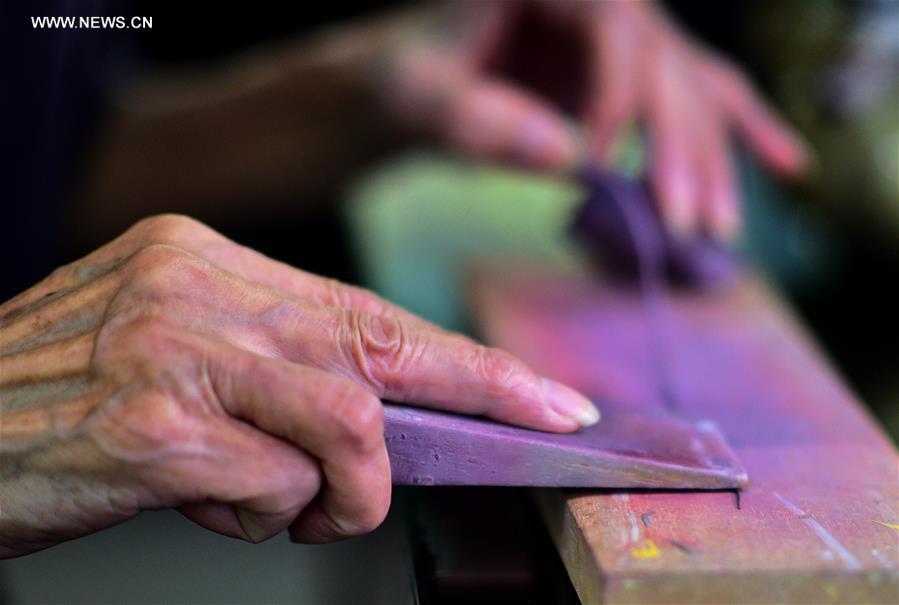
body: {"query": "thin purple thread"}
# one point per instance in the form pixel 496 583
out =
pixel 645 231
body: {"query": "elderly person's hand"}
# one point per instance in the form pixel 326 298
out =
pixel 175 368
pixel 493 77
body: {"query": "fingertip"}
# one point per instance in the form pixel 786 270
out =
pixel 544 141
pixel 803 160
pixel 787 155
pixel 259 527
pixel 498 120
pixel 316 526
pixel 677 207
pixel 569 404
pixel 777 145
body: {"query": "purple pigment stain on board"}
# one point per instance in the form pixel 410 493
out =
pixel 624 450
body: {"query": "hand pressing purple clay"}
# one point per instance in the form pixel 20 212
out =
pixel 621 226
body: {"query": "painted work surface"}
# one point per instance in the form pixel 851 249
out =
pixel 819 520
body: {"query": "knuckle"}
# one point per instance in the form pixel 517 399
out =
pixel 363 300
pixel 173 229
pixel 337 294
pixel 62 272
pixel 156 257
pixel 147 326
pixel 163 266
pixel 357 417
pixel 141 342
pixel 143 426
pixel 331 293
pixel 381 348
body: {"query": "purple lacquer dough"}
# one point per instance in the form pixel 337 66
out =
pixel 646 449
pixel 619 239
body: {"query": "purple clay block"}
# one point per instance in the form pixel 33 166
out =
pixel 624 450
pixel 618 222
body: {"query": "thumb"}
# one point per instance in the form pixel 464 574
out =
pixel 493 119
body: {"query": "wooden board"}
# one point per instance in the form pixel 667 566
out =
pixel 818 522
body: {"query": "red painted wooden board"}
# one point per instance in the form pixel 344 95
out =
pixel 818 522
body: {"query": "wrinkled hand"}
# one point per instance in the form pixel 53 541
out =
pixel 175 368
pixel 492 78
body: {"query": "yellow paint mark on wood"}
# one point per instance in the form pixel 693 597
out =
pixel 885 524
pixel 650 551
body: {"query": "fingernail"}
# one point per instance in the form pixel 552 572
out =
pixel 544 142
pixel 569 403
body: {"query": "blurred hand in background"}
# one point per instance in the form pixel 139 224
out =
pixel 505 80
pixel 548 85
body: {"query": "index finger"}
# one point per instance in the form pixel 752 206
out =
pixel 401 362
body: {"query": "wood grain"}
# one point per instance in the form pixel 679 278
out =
pixel 818 522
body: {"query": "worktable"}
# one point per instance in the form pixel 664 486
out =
pixel 818 522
